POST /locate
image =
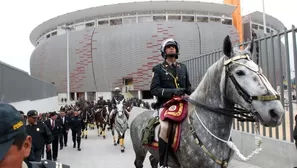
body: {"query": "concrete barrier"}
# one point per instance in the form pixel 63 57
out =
pixel 42 105
pixel 275 153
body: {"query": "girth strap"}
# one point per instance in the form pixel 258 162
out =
pixel 223 163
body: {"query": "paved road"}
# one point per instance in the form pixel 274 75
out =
pixel 100 153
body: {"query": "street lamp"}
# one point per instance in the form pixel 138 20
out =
pixel 264 17
pixel 68 28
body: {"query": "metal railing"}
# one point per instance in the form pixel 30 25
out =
pixel 278 59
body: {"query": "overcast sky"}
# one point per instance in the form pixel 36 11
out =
pixel 19 17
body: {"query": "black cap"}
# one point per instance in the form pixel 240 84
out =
pixel 32 113
pixel 11 124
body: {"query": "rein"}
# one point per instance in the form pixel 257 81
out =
pixel 244 115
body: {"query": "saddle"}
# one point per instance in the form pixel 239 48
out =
pixel 174 111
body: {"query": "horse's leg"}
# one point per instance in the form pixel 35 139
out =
pixel 140 154
pixel 103 130
pixel 86 132
pixel 98 128
pixel 154 161
pixel 112 133
pixel 122 142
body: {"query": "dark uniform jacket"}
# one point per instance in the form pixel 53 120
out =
pixel 101 103
pixel 76 123
pixel 118 97
pixel 65 123
pixel 163 83
pixel 40 134
pixel 57 130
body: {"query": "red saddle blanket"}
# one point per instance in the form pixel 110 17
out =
pixel 174 110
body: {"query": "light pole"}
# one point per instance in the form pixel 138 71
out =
pixel 67 28
pixel 264 16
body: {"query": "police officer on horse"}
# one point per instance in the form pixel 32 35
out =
pixel 170 78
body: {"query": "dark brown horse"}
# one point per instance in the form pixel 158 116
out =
pixel 101 119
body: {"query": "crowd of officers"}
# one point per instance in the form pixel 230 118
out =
pixel 51 132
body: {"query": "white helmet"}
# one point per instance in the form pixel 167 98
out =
pixel 169 42
pixel 117 89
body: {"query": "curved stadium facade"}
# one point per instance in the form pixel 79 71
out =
pixel 117 45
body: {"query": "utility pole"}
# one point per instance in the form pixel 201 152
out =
pixel 264 16
pixel 68 29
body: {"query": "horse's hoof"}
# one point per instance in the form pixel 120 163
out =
pixel 115 144
pixel 104 137
pixel 86 137
pixel 100 133
pixel 122 150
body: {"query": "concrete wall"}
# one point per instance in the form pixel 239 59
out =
pixel 101 56
pixel 42 105
pixel 17 85
pixel 275 153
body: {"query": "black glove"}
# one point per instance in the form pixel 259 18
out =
pixel 179 91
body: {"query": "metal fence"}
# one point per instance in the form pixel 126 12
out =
pixel 17 85
pixel 278 59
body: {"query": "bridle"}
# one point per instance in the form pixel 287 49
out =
pixel 242 92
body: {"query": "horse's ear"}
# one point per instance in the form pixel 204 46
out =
pixel 227 46
pixel 250 47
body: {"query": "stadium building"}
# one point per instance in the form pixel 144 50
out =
pixel 117 45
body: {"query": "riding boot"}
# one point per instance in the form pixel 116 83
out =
pixel 162 150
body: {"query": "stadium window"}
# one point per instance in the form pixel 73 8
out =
pixel 48 36
pixel 159 18
pixel 54 33
pixel 116 21
pixel 267 30
pixel 174 17
pixel 103 22
pixel 227 21
pixel 90 24
pixel 212 19
pixel 129 20
pixel 143 19
pixel 261 27
pixel 202 19
pixel 254 26
pixel 188 19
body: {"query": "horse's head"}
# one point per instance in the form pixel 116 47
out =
pixel 248 87
pixel 120 108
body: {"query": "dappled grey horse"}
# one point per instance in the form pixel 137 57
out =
pixel 234 80
pixel 121 123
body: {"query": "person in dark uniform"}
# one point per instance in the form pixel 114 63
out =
pixel 116 98
pixel 101 102
pixel 39 132
pixel 170 78
pixel 65 128
pixel 55 127
pixel 15 143
pixel 24 117
pixel 77 125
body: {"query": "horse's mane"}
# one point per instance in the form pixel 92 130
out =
pixel 211 78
